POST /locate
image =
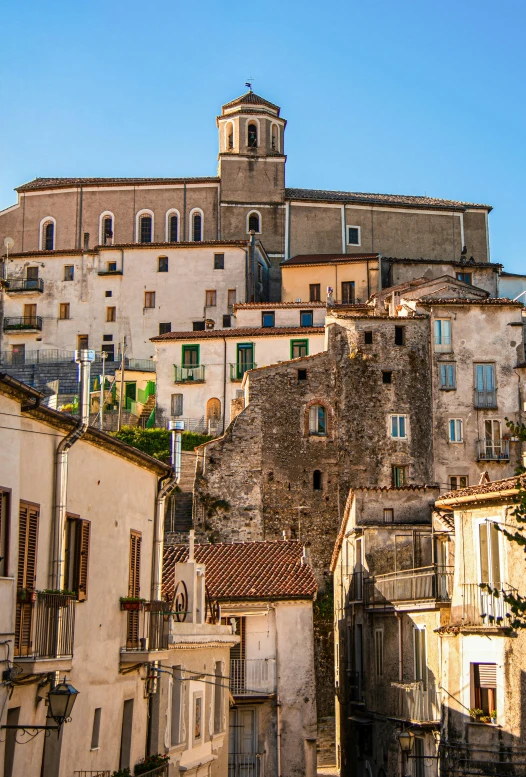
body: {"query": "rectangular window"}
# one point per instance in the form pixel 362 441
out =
pixel 177 405
pixel 210 298
pixel 190 356
pixel 318 420
pixel 399 335
pixel 231 298
pixel 32 273
pixel 77 556
pixel 299 348
pixel 268 319
pixel 399 427
pixel 126 733
pixel 306 317
pixel 95 731
pixel 442 327
pixel 86 239
pixel 63 311
pixel 314 292
pixel 165 327
pixel 106 338
pixel 302 374
pixel 198 326
pixel 489 554
pixel 465 277
pixel 108 348
pixel 387 377
pixel 4 532
pixel 245 359
pixel 368 337
pixel 379 652
pixel 353 236
pixel 111 314
pixel 227 321
pixel 420 651
pixel 485 387
pixel 112 266
pixel 348 292
pixel 149 299
pixel 458 481
pixel 398 476
pixel 177 706
pixel 69 272
pixel 108 294
pixel 455 430
pixel 219 261
pixel 388 515
pixel 162 264
pixel 484 687
pixel 448 376
pixel 218 698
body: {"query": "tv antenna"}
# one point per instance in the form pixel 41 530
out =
pixel 9 243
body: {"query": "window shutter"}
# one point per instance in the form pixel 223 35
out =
pixel 82 558
pixel 313 418
pixel 134 580
pixel 487 675
pixel 484 553
pixel 27 546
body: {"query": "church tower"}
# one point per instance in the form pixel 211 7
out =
pixel 252 171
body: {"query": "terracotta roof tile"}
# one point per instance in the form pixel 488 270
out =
pixel 247 570
pixel 301 259
pixel 250 98
pixel 241 331
pixel 381 199
pixel 456 263
pixel 272 305
pixel 494 487
pixel 458 301
pixel 59 183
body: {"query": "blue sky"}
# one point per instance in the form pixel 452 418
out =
pixel 393 96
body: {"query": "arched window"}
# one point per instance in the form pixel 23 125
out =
pixel 318 420
pixel 47 234
pixel 196 226
pixel 145 226
pixel 274 141
pixel 252 136
pixel 317 481
pixel 173 228
pixel 106 229
pixel 254 222
pixel 229 136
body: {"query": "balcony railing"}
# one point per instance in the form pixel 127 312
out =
pixel 356 685
pixel 142 365
pixel 243 764
pixel 493 450
pixel 237 371
pixel 485 399
pixel 45 628
pixel 433 583
pixel 417 702
pixel 250 677
pixel 88 773
pixel 148 628
pixel 481 607
pixel 23 324
pixel 189 374
pixel 21 285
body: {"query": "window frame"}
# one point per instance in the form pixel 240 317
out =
pixel 458 487
pixel 443 342
pixel 163 260
pixel 307 313
pixel 315 432
pixel 458 423
pixel 111 318
pixel 194 212
pixel 64 307
pixel 259 230
pixel 446 367
pixel 231 293
pixel 352 287
pixel 252 120
pixel 164 324
pixel 168 227
pixel 138 229
pixel 219 261
pixel 269 313
pixel 175 401
pixel 210 298
pixel 298 343
pixel 191 348
pixel 149 296
pixel 104 215
pixel 348 227
pixel 42 238
pixel 401 421
pixel 314 292
pixel 398 329
pixel 68 267
pixel 401 469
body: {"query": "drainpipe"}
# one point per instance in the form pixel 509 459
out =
pixel 278 725
pixel 224 385
pixel 83 359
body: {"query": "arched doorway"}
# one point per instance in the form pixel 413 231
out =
pixel 213 415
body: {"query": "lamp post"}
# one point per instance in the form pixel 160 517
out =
pixel 61 699
pixel 406 741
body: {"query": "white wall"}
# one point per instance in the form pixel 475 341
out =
pixel 285 314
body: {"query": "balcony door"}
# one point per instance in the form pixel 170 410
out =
pixel 420 655
pixel 30 314
pixel 245 358
pixel 492 437
pixel 242 743
pixel 489 554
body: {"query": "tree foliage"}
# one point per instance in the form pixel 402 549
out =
pixel 156 442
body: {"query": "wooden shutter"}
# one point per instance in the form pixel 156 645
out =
pixel 134 588
pixel 82 559
pixel 27 545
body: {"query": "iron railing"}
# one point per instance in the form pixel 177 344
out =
pixel 493 450
pixel 243 764
pixel 45 628
pixel 22 323
pixel 355 685
pixel 189 374
pixel 418 701
pixel 88 773
pixel 411 585
pixel 237 371
pixel 159 771
pixel 24 284
pixel 141 365
pixel 483 607
pixel 253 676
pixel 485 399
pixel 148 627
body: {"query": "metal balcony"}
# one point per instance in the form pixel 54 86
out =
pixel 484 400
pixel 243 764
pixel 237 371
pixel 493 450
pixel 23 324
pixel 405 589
pixel 481 607
pixel 24 285
pixel 147 629
pixel 252 677
pixel 189 374
pixel 45 628
pixel 417 702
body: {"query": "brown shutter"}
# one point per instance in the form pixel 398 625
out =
pixel 26 573
pixel 82 559
pixel 134 588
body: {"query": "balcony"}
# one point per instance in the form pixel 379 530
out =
pixel 189 374
pixel 237 371
pixel 417 702
pixel 23 324
pixel 243 764
pixel 24 285
pixel 481 607
pixel 410 588
pixel 252 677
pixel 485 400
pixel 44 631
pixel 147 632
pixel 493 450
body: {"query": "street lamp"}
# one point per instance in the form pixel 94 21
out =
pixel 61 700
pixel 406 741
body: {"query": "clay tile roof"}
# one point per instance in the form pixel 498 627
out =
pixel 58 183
pixel 250 98
pixel 461 301
pixel 494 487
pixel 381 199
pixel 327 259
pixel 247 570
pixel 241 331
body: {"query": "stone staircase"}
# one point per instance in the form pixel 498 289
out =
pixel 146 410
pixel 179 513
pixel 39 375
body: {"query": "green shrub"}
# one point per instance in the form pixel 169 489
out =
pixel 150 762
pixel 156 442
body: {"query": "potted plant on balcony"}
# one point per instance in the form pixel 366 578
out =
pixel 494 717
pixel 27 595
pixel 151 762
pixel 475 713
pixel 131 602
pixel 61 597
